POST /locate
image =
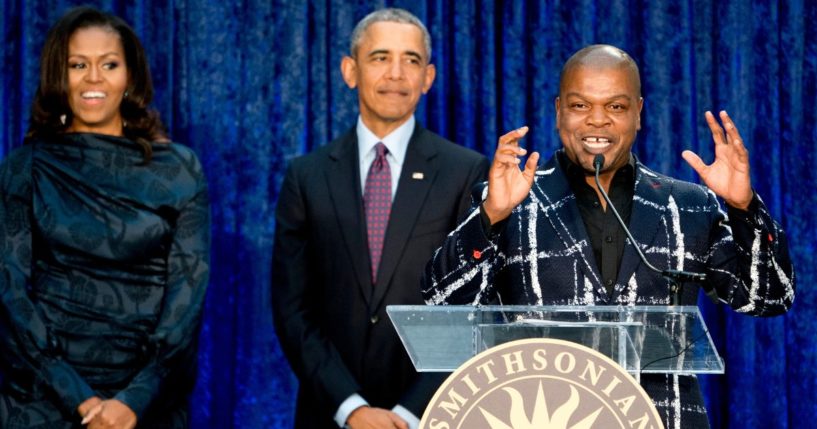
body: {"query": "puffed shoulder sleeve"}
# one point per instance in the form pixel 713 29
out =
pixel 29 349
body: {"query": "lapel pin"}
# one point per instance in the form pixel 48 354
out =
pixel 417 175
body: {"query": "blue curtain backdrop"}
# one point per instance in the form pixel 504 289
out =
pixel 252 84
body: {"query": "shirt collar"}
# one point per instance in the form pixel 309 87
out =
pixel 577 173
pixel 396 142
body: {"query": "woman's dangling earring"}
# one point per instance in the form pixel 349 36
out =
pixel 63 117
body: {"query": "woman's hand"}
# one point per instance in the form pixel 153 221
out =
pixel 110 414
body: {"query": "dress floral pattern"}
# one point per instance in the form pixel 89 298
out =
pixel 103 271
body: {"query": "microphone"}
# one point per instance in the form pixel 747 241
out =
pixel 675 277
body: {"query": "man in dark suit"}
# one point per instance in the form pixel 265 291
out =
pixel 355 224
pixel 547 237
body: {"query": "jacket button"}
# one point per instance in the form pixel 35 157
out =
pixel 374 319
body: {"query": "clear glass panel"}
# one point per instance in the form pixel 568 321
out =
pixel 642 339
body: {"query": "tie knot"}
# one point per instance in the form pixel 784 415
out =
pixel 381 150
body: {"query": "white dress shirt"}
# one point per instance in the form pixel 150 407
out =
pixel 396 142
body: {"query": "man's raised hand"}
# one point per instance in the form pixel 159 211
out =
pixel 727 176
pixel 508 185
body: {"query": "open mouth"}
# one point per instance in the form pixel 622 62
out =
pixel 596 143
pixel 93 98
pixel 93 95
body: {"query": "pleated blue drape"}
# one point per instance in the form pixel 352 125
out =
pixel 252 84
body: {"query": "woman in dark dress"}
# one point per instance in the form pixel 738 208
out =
pixel 104 244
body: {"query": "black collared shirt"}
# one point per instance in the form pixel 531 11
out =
pixel 607 237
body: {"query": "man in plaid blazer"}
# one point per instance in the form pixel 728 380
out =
pixel 545 237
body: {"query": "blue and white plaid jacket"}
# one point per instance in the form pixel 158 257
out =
pixel 543 257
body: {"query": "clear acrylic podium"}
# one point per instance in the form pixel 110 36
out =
pixel 641 339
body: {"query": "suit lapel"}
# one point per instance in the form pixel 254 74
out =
pixel 560 207
pixel 410 197
pixel 343 180
pixel 644 220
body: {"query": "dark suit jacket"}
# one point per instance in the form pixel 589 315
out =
pixel 331 321
pixel 543 256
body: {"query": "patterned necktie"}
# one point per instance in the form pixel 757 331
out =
pixel 377 203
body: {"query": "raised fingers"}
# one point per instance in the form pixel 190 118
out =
pixel 509 143
pixel 694 161
pixel 530 166
pixel 513 136
pixel 715 127
pixel 732 134
pixel 505 158
pixel 508 150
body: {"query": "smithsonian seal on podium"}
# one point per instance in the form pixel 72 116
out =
pixel 543 384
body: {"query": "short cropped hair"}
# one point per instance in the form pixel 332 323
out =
pixel 388 15
pixel 600 56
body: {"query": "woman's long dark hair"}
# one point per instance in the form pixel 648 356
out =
pixel 142 124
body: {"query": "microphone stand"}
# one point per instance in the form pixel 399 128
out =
pixel 676 278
